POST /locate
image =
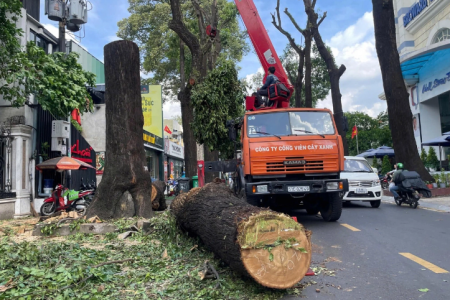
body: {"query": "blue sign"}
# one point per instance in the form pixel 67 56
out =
pixel 434 84
pixel 414 11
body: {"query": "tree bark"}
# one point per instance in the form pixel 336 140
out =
pixel 125 157
pixel 334 72
pixel 298 84
pixel 397 98
pixel 241 234
pixel 307 50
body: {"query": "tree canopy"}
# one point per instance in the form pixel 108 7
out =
pixel 372 132
pixel 57 80
pixel 217 99
pixel 160 46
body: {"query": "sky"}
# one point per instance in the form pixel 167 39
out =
pixel 347 29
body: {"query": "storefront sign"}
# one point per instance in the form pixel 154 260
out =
pixel 152 108
pixel 174 149
pixel 100 162
pixel 428 87
pixel 415 10
pixel 75 149
pixel 149 138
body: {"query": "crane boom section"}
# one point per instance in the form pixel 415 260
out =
pixel 260 39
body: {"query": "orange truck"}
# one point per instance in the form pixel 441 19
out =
pixel 290 158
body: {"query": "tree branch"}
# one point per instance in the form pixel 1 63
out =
pixel 321 19
pixel 341 70
pixel 284 32
pixel 293 21
pixel 313 5
pixel 177 25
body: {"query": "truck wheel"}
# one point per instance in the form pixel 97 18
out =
pixel 312 207
pixel 331 207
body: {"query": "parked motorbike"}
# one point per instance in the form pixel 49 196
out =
pixel 75 200
pixel 408 196
pixel 173 188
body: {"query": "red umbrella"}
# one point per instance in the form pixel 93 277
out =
pixel 63 163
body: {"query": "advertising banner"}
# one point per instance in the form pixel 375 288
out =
pixel 174 149
pixel 152 108
pixel 100 162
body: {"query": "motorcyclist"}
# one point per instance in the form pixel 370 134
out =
pixel 394 188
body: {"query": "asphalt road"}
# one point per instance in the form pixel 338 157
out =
pixel 367 264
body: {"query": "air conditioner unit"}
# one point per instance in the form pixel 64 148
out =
pixel 60 129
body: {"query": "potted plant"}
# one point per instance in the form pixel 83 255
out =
pixel 429 185
pixel 442 179
pixel 436 180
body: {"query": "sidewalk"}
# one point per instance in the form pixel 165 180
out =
pixel 436 203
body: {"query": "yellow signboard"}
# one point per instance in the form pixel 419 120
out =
pixel 152 108
pixel 149 139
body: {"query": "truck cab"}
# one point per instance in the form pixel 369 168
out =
pixel 291 156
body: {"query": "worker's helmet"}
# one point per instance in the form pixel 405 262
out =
pixel 399 166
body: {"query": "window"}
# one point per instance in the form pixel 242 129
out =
pixel 442 35
pixel 40 42
pixel 353 165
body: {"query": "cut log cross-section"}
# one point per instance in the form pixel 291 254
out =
pixel 270 247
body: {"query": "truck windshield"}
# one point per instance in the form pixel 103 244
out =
pixel 290 123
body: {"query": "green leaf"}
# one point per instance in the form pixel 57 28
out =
pixel 423 290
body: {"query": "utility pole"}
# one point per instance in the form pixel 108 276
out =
pixel 62 36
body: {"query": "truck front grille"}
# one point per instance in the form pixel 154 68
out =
pixel 314 164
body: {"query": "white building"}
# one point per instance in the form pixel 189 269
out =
pixel 423 41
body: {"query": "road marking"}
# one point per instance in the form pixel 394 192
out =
pixel 424 263
pixel 350 227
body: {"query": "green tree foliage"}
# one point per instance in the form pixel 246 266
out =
pixel 217 99
pixel 432 160
pixel 320 79
pixel 372 132
pixel 386 165
pixel 160 47
pixel 57 80
pixel 423 156
pixel 375 163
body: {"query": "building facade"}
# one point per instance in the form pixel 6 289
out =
pixel 423 41
pixel 173 149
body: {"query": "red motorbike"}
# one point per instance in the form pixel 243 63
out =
pixel 64 199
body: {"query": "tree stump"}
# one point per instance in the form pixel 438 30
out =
pixel 270 247
pixel 124 176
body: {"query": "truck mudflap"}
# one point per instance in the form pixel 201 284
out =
pixel 298 187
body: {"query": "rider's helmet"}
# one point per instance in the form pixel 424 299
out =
pixel 399 165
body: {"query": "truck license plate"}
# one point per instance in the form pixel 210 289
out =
pixel 361 191
pixel 293 189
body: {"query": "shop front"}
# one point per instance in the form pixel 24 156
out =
pixel 174 163
pixel 154 154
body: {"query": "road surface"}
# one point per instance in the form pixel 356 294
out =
pixel 389 252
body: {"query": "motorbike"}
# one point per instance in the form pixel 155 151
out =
pixel 408 196
pixel 384 181
pixel 64 199
pixel 173 187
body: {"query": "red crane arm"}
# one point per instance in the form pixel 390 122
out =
pixel 261 41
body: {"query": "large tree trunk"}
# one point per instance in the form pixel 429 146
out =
pixel 124 176
pixel 242 235
pixel 400 116
pixel 298 85
pixel 307 50
pixel 334 72
pixel 190 146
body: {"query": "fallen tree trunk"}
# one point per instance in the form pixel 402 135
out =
pixel 270 247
